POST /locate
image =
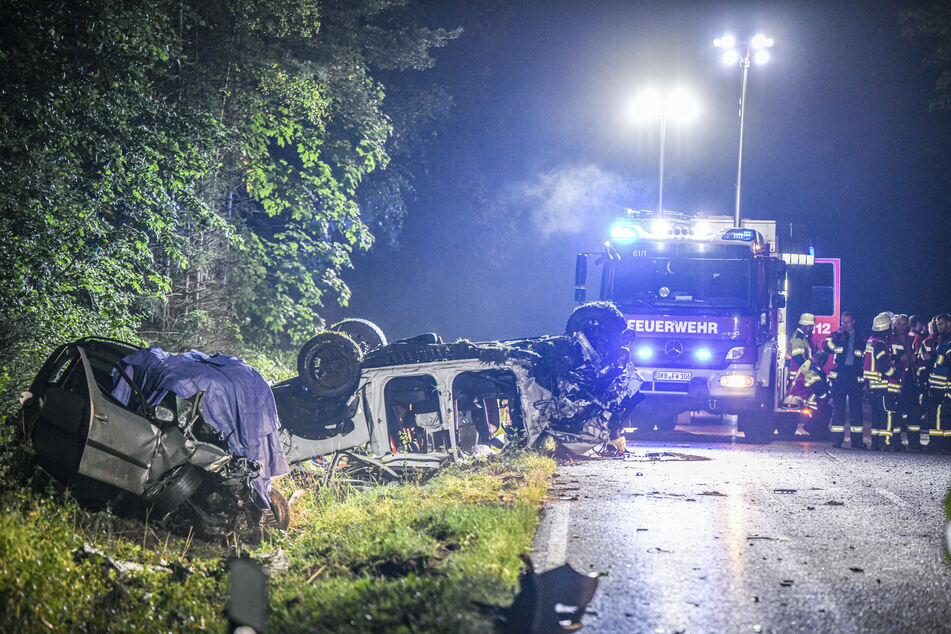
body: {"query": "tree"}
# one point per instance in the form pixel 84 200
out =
pixel 194 164
pixel 933 22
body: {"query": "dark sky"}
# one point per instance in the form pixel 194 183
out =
pixel 537 158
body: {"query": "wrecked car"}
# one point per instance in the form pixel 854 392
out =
pixel 418 403
pixel 191 437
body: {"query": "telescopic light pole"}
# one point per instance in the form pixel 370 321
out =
pixel 651 105
pixel 756 49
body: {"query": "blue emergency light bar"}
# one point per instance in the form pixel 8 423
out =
pixel 742 235
pixel 626 231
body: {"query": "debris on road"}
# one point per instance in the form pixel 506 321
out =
pixel 834 503
pixel 785 491
pixel 786 583
pixel 553 601
pixel 855 569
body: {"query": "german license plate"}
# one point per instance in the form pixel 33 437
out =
pixel 660 375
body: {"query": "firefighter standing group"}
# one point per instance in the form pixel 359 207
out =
pixel 902 366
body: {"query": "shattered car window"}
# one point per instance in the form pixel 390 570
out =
pixel 414 422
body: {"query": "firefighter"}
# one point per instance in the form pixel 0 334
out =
pixel 800 342
pixel 847 349
pixel 939 350
pixel 879 371
pixel 810 391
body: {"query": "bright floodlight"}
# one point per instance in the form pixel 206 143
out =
pixel 681 106
pixel 727 42
pixel 761 41
pixel 647 106
pixel 761 57
pixel 731 56
pixel 660 227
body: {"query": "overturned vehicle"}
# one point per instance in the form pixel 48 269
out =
pixel 190 438
pixel 194 440
pixel 378 409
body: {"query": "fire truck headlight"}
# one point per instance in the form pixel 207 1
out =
pixel 737 381
pixel 644 353
pixel 703 354
pixel 625 231
pixel 735 353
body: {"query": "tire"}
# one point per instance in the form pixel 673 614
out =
pixel 173 489
pixel 757 429
pixel 603 326
pixel 786 426
pixel 364 333
pixel 600 320
pixel 329 365
pixel 279 515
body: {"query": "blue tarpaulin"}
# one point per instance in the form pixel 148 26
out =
pixel 238 402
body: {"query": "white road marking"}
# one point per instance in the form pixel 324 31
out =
pixel 558 535
pixel 891 496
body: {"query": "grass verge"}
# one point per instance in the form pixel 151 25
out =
pixel 411 557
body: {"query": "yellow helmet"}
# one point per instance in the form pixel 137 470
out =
pixel 807 319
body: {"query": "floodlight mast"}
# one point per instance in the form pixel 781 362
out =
pixel 759 43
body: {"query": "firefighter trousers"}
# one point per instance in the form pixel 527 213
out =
pixel 883 418
pixel 938 415
pixel 847 393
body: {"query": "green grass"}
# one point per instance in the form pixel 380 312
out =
pixel 402 558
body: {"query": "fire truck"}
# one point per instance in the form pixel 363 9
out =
pixel 712 306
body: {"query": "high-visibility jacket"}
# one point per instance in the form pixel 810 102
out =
pixel 899 349
pixel 811 385
pixel 938 379
pixel 836 344
pixel 800 349
pixel 877 367
pixel 926 357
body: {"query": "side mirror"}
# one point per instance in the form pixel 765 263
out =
pixel 581 277
pixel 779 300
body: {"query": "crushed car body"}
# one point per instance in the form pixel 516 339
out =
pixel 186 434
pixel 198 437
pixel 418 403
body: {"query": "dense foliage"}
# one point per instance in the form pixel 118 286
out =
pixel 197 172
pixel 932 22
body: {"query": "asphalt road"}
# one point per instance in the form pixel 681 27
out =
pixel 704 534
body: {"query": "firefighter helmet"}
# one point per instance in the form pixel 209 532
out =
pixel 807 319
pixel 881 322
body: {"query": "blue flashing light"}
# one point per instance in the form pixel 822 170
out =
pixel 625 231
pixel 703 354
pixel 812 251
pixel 743 235
pixel 644 353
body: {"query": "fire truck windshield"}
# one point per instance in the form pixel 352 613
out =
pixel 681 281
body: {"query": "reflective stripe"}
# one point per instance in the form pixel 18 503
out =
pixel 913 428
pixel 837 429
pixel 857 430
pixel 880 354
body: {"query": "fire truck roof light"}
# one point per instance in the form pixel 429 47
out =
pixel 743 235
pixel 625 231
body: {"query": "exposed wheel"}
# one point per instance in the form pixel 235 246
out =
pixel 279 515
pixel 173 489
pixel 601 322
pixel 757 429
pixel 364 333
pixel 348 469
pixel 329 365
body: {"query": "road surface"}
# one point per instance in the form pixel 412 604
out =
pixel 704 534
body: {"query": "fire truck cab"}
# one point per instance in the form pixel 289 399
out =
pixel 712 306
